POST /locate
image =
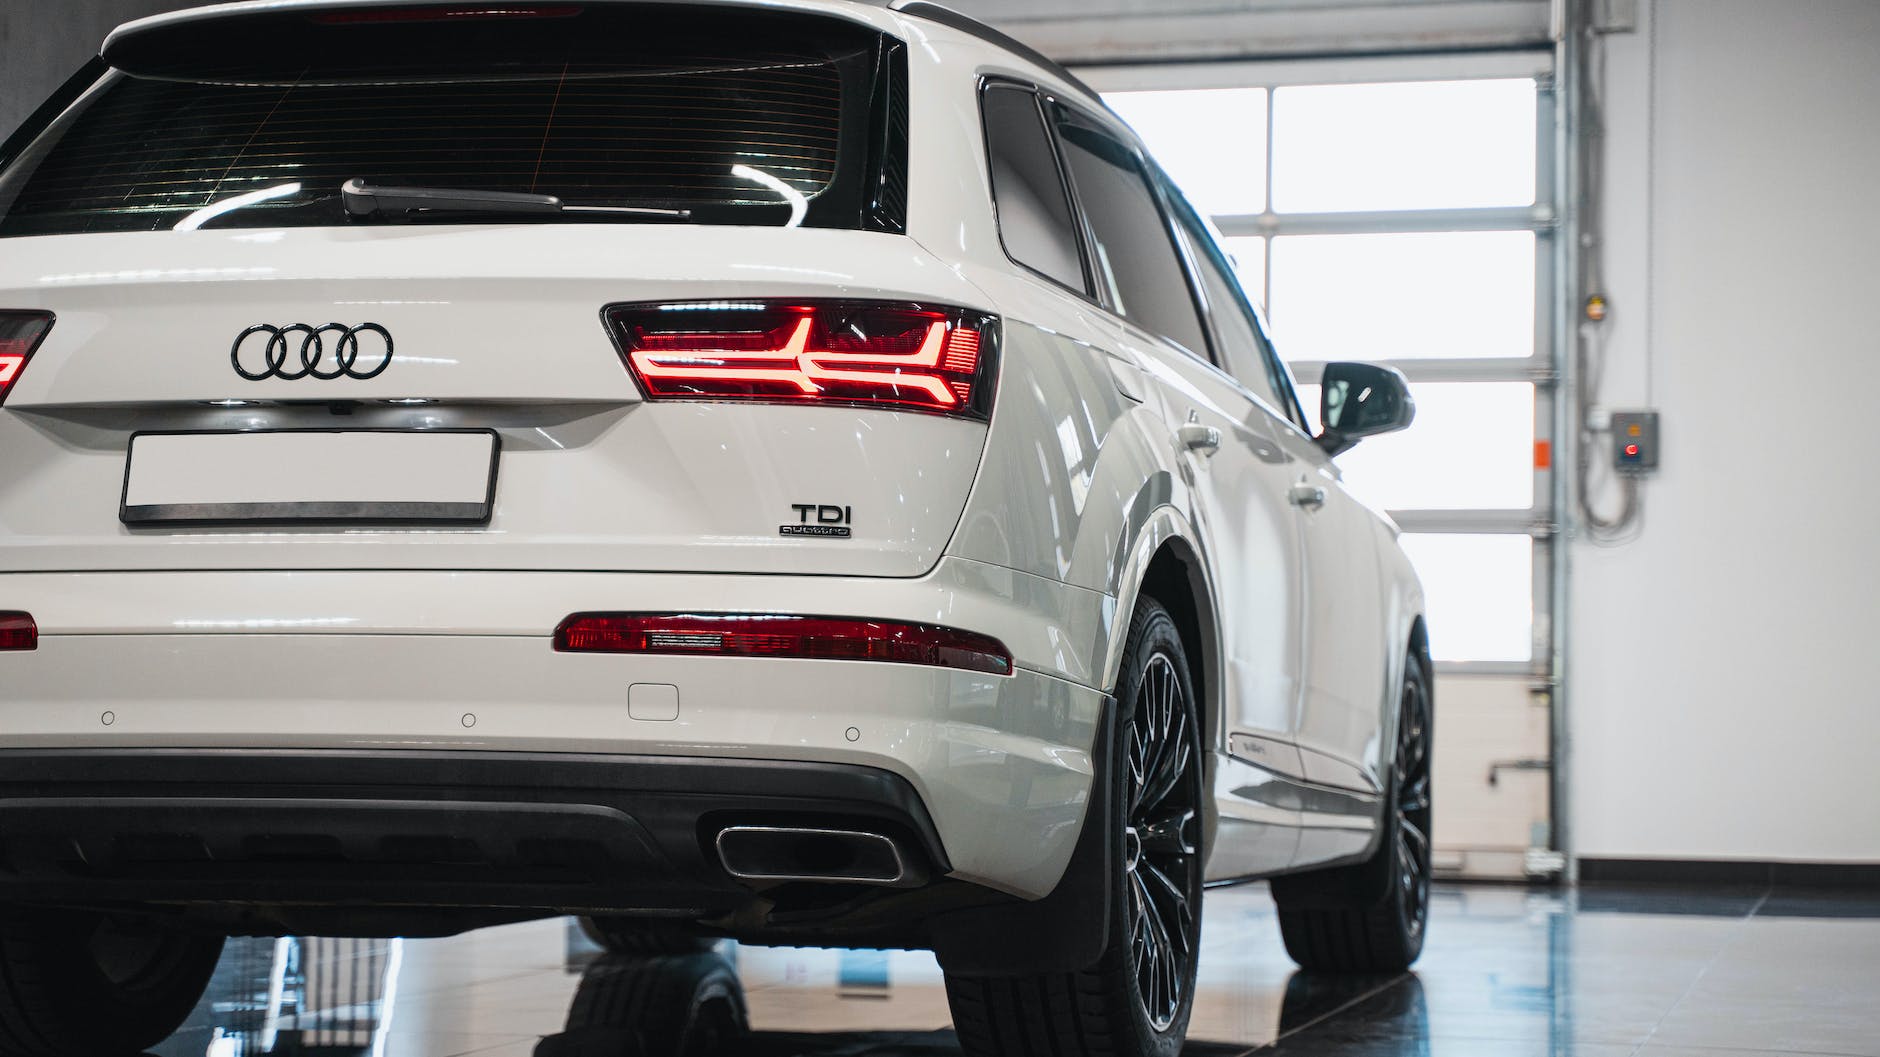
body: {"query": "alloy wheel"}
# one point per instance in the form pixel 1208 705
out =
pixel 1161 854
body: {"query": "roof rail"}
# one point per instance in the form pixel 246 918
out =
pixel 967 24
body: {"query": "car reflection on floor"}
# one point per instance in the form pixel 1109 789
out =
pixel 1510 973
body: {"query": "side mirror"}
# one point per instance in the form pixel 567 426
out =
pixel 1361 400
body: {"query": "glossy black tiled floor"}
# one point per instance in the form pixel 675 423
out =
pixel 1508 973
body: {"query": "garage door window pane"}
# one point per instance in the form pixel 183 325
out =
pixel 1431 145
pixel 1470 448
pixel 1479 594
pixel 1404 296
pixel 1211 141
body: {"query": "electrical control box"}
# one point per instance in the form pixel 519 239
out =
pixel 1635 441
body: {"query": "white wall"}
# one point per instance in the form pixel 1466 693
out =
pixel 1724 691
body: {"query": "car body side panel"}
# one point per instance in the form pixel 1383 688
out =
pixel 1036 493
pixel 1240 495
pixel 1345 626
pixel 1110 519
pixel 1077 431
pixel 1331 837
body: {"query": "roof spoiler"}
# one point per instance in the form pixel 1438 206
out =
pixel 971 26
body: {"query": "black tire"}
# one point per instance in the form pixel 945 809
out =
pixel 1136 1000
pixel 1372 917
pixel 689 1005
pixel 81 985
pixel 645 936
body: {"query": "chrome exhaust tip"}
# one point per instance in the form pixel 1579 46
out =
pixel 828 856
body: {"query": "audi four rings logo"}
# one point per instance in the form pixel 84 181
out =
pixel 360 352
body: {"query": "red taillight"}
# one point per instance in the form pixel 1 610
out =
pixel 820 638
pixel 20 334
pixel 18 632
pixel 857 353
pixel 452 13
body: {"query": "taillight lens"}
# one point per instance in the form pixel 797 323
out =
pixel 20 334
pixel 819 638
pixel 18 632
pixel 854 353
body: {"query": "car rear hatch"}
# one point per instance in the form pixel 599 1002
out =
pixel 729 360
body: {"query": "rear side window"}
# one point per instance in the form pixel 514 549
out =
pixel 739 116
pixel 1035 219
pixel 1135 262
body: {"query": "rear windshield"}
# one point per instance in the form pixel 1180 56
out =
pixel 732 115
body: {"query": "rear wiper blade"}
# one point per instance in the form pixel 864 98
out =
pixel 369 199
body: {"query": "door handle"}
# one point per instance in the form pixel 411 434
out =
pixel 1306 496
pixel 1197 437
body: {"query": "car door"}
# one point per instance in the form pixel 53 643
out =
pixel 1346 681
pixel 1237 473
pixel 1332 827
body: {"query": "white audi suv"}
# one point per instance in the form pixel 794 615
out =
pixel 790 470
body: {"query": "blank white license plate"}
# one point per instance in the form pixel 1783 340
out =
pixel 311 475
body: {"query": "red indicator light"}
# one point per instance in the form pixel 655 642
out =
pixel 815 638
pixel 1631 451
pixel 371 16
pixel 18 632
pixel 856 353
pixel 20 334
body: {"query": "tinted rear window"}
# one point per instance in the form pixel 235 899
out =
pixel 729 113
pixel 1135 261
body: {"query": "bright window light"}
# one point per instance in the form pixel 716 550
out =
pixel 1470 448
pixel 1212 142
pixel 1445 294
pixel 1426 145
pixel 1479 592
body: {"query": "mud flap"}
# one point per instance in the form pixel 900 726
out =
pixel 1065 931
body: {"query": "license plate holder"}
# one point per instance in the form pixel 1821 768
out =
pixel 318 476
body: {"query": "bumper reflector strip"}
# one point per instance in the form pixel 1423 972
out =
pixel 816 638
pixel 18 632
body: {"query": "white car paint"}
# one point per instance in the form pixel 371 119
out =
pixel 1036 529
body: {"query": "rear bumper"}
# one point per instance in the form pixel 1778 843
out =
pixel 446 830
pixel 319 663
